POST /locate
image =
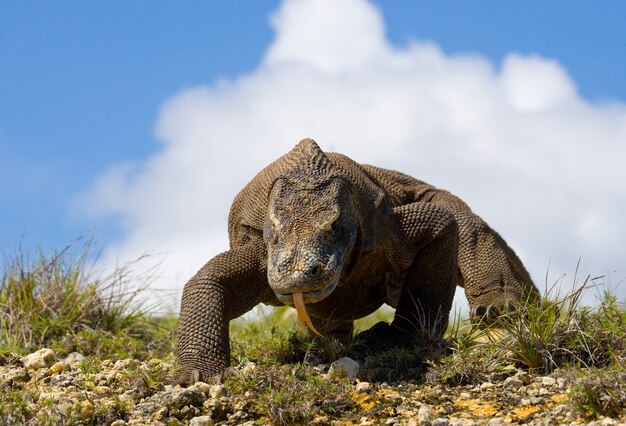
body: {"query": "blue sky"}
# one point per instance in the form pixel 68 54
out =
pixel 86 86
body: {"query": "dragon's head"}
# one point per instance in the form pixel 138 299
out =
pixel 310 230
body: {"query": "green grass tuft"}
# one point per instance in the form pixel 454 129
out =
pixel 57 301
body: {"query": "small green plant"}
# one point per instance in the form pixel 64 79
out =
pixel 558 331
pixel 292 394
pixel 600 392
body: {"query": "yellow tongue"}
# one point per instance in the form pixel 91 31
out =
pixel 303 316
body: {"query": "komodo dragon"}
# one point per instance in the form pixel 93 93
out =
pixel 338 239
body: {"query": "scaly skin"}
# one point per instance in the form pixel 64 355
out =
pixel 349 238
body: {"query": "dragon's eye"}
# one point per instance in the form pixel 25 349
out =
pixel 332 224
pixel 273 234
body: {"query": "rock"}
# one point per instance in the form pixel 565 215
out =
pixel 42 358
pixel 85 410
pixel 162 413
pixel 118 423
pixel 513 383
pixel 201 421
pixel 364 387
pixel 424 414
pixel 248 368
pixel 176 398
pixel 57 367
pixel 102 390
pixel 548 381
pixel 217 391
pixel 486 385
pixel 200 387
pixel 344 367
pixel 524 377
pixel 18 375
pixel 126 364
pixel 440 421
pixel 496 421
pixel 74 358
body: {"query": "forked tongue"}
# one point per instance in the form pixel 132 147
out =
pixel 303 316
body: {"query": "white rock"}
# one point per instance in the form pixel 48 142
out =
pixel 18 375
pixel 74 358
pixel 344 367
pixel 513 383
pixel 217 391
pixel 548 381
pixel 364 387
pixel 487 385
pixel 201 421
pixel 440 421
pixel 126 364
pixel 201 387
pixel 248 368
pixel 424 414
pixel 42 358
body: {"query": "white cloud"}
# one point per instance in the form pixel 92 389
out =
pixel 540 164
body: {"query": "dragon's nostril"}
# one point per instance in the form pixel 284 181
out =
pixel 316 271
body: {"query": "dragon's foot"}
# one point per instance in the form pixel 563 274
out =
pixel 491 313
pixel 383 336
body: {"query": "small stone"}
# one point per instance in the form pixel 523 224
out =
pixel 57 367
pixel 496 421
pixel 424 414
pixel 85 410
pixel 217 391
pixel 119 422
pixel 440 421
pixel 74 358
pixel 486 385
pixel 42 358
pixel 513 383
pixel 248 368
pixel 344 367
pixel 537 400
pixel 524 377
pixel 102 390
pixel 561 383
pixel 18 375
pixel 607 422
pixel 201 421
pixel 465 395
pixel 202 387
pixel 126 364
pixel 162 413
pixel 412 422
pixel 548 381
pixel 364 387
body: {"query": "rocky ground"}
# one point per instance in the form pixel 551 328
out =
pixel 40 389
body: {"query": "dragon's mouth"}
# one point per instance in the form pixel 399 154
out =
pixel 299 300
